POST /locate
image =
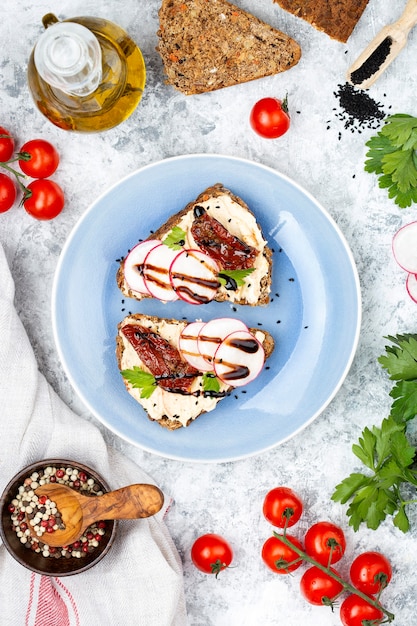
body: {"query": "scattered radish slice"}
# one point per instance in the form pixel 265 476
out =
pixel 189 348
pixel 213 333
pixel 156 272
pixel 411 286
pixel 194 276
pixel 133 265
pixel 404 247
pixel 239 358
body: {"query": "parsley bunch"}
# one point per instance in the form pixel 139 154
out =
pixel 389 483
pixel 392 156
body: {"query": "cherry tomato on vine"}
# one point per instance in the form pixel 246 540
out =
pixel 269 117
pixel 47 199
pixel 324 539
pixel 43 161
pixel 370 572
pixel 276 555
pixel 6 145
pixel 282 506
pixel 211 554
pixel 355 612
pixel 7 193
pixel 318 587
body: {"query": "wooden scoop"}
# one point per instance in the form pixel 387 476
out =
pixel 383 49
pixel 79 511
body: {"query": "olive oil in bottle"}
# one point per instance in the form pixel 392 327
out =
pixel 85 74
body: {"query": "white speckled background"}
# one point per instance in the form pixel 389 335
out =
pixel 227 498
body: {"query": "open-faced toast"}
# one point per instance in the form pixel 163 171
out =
pixel 224 255
pixel 178 370
pixel 211 44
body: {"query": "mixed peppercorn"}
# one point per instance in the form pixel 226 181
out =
pixel 29 510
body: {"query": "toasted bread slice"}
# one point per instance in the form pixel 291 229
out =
pixel 211 44
pixel 172 410
pixel 234 214
pixel 337 18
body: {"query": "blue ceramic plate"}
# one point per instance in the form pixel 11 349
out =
pixel 314 314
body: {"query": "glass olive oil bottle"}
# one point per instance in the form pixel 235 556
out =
pixel 85 74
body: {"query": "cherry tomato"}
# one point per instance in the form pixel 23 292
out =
pixel 44 159
pixel 269 117
pixel 211 554
pixel 6 145
pixel 324 539
pixel 47 199
pixel 355 611
pixel 7 193
pixel 282 506
pixel 370 572
pixel 276 555
pixel 318 587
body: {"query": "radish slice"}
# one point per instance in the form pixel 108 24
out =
pixel 156 273
pixel 188 347
pixel 404 247
pixel 411 286
pixel 213 333
pixel 239 358
pixel 133 265
pixel 194 276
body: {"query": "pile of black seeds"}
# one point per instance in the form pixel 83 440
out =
pixel 358 110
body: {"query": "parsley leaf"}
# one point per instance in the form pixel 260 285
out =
pixel 210 382
pixel 175 238
pixel 238 276
pixel 401 358
pixel 392 157
pixel 140 379
pixel 404 407
pixel 385 451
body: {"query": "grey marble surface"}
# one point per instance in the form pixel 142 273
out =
pixel 327 160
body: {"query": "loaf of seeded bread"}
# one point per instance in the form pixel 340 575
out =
pixel 210 44
pixel 337 18
pixel 168 409
pixel 234 214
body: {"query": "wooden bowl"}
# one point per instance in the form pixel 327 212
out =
pixel 50 566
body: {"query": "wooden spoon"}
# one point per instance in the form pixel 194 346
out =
pixel 383 49
pixel 79 511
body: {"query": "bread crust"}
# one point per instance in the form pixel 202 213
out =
pixel 213 191
pixel 337 18
pixel 140 318
pixel 211 44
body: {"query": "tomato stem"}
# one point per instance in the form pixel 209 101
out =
pixel 18 175
pixel 326 569
pixel 285 104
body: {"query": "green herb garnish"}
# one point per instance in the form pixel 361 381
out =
pixel 175 238
pixel 238 276
pixel 140 379
pixel 392 156
pixel 210 382
pixel 386 452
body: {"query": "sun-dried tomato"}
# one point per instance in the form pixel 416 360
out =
pixel 213 238
pixel 161 358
